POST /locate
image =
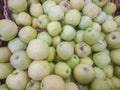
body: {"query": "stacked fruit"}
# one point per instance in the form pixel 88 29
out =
pixel 60 45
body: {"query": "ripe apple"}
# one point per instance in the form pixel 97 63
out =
pixel 33 85
pixel 5 70
pixel 89 11
pixel 52 66
pixel 68 33
pixel 116 82
pixel 117 20
pixel 77 4
pixel 110 83
pixel 54 28
pixel 101 59
pixel 5 54
pixel 91 36
pixel 108 69
pixel 72 17
pixel 117 71
pixel 84 73
pixel 20 60
pixel 23 19
pixel 85 22
pixel 45 36
pixel 32 1
pixel 96 26
pixel 16 44
pixel 82 49
pixel 34 22
pixel 71 86
pixel 56 40
pixel 37 49
pixel 43 21
pixel 56 13
pixel 36 9
pixel 101 3
pixel 82 87
pixel 113 39
pixel 62 69
pixel 86 60
pixel 38 70
pixel 17 80
pixel 79 36
pixel 53 82
pixel 64 50
pixel 73 61
pixel 7 26
pixel 27 33
pixel 17 7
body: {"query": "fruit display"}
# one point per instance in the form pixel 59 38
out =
pixel 59 45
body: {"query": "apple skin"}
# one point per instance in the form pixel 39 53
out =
pixel 36 9
pixel 113 40
pixel 65 50
pixel 71 86
pixel 62 69
pixel 5 70
pixel 56 40
pixel 117 71
pixel 79 36
pixel 85 22
pixel 32 1
pixel 86 60
pixel 5 54
pixel 68 33
pixel 101 3
pixel 56 13
pixel 115 57
pixel 7 26
pixel 71 19
pixel 108 69
pixel 116 81
pixel 54 28
pixel 27 33
pixel 96 26
pixel 82 49
pixel 20 60
pixel 117 20
pixel 16 44
pixel 91 36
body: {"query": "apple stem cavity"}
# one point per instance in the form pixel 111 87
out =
pixel 85 69
pixel 17 57
pixel 31 83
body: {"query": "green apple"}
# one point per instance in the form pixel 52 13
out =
pixel 72 43
pixel 62 69
pixel 86 60
pixel 89 11
pixel 117 20
pixel 77 4
pixel 72 17
pixel 32 1
pixel 45 36
pixel 99 84
pixel 33 85
pixel 115 57
pixel 91 36
pixel 52 54
pixel 27 33
pixel 101 3
pixel 68 33
pixel 57 1
pixel 110 8
pixel 101 59
pixel 36 9
pixel 52 66
pixel 5 54
pixel 99 73
pixel 20 60
pixel 16 44
pixel 109 26
pixel 79 36
pixel 108 69
pixel 101 45
pixel 73 61
pixel 34 23
pixel 84 73
pixel 8 30
pixel 5 70
pixel 43 21
pixel 113 39
pixel 56 13
pixel 96 26
pixel 17 80
pixel 65 5
pixel 82 49
pixel 116 82
pixel 54 28
pixel 37 49
pixel 70 78
pixel 82 87
pixel 17 7
pixel 24 19
pixel 101 17
pixel 64 50
pixel 56 40
pixel 117 70
pixel 47 5
pixel 38 70
pixel 71 86
pixel 52 82
pixel 85 22
pixel 109 81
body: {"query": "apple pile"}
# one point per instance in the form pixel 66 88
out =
pixel 60 45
